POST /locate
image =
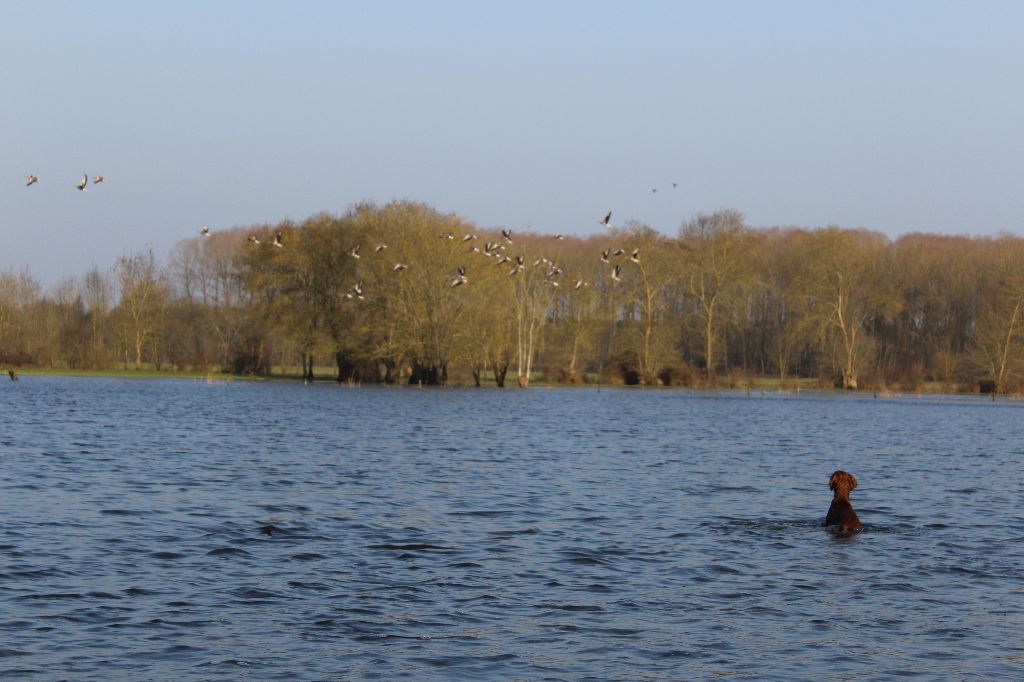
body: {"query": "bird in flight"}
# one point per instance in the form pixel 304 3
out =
pixel 277 239
pixel 579 283
pixel 354 251
pixel 604 256
pixel 635 256
pixel 507 234
pixel 469 237
pixel 607 220
pixel 380 247
pixel 399 267
pixel 205 231
pixel 253 239
pixel 82 183
pixel 674 185
pixel 358 290
pixel 615 274
pixel 459 278
pixel 97 179
pixel 559 236
pixel 31 180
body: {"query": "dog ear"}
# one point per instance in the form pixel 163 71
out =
pixel 832 481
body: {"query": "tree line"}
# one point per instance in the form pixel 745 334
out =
pixel 404 293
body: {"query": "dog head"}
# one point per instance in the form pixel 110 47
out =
pixel 842 483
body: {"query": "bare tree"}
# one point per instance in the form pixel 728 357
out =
pixel 843 285
pixel 717 270
pixel 997 348
pixel 143 296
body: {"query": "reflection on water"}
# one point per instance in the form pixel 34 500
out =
pixel 172 530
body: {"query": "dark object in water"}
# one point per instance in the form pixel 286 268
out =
pixel 268 529
pixel 14 375
pixel 840 512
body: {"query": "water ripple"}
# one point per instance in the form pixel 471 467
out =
pixel 152 531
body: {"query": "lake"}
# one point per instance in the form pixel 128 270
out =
pixel 171 529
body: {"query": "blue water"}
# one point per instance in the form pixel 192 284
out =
pixel 182 530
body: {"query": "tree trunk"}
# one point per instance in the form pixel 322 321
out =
pixel 392 371
pixel 429 375
pixel 709 345
pixel 347 370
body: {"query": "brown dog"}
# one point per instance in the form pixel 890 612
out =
pixel 840 512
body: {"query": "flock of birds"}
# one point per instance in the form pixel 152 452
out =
pixel 494 250
pixel 80 185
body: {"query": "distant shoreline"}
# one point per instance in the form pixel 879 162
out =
pixel 757 385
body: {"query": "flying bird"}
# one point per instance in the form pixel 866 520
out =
pixel 379 248
pixel 635 256
pixel 31 180
pixel 607 220
pixel 654 190
pixel 358 290
pixel 469 237
pixel 399 267
pixel 446 235
pixel 579 283
pixel 97 179
pixel 674 185
pixel 278 239
pixel 460 278
pixel 205 231
pixel 559 236
pixel 507 234
pixel 354 251
pixel 253 239
pixel 82 183
pixel 615 274
pixel 604 256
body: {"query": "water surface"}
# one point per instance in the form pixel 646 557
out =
pixel 184 530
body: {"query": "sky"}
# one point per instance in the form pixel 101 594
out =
pixel 897 116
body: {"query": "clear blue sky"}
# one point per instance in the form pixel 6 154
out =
pixel 896 116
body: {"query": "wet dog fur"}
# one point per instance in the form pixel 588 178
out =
pixel 840 512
